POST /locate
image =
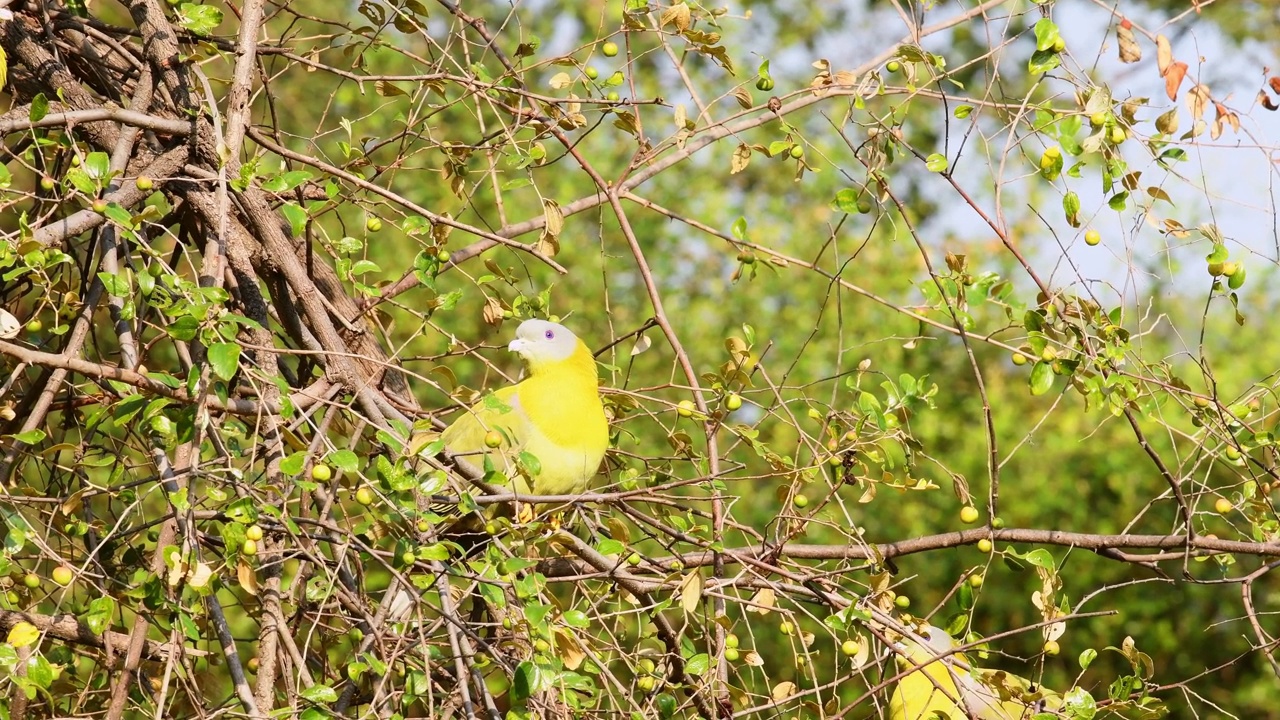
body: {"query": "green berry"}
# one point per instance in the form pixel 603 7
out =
pixel 609 49
pixel 765 84
pixel 733 401
pixel 893 66
pixel 321 472
pixel 591 72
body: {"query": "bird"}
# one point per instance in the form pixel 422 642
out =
pixel 553 414
pixel 943 685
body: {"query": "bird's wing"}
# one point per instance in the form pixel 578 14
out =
pixel 927 693
pixel 498 411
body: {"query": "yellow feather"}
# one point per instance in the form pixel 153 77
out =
pixel 554 414
pixel 949 687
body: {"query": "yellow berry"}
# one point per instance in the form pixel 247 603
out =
pixel 1098 119
pixel 321 472
pixel 143 183
pixel 373 223
pixel 253 532
pixel 733 401
pixel 984 545
pixel 1092 237
pixel 968 514
pixel 686 408
pixel 364 496
pixel 633 559
pixel 644 682
pixel 609 49
pixel 249 548
pixel 850 647
pixel 902 601
pixel 492 439
pixel 975 580
pixel 1222 506
pixel 1051 648
pixel 1117 135
pixel 1019 359
pixel 63 575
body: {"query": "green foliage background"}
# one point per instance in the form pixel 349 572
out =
pixel 1066 461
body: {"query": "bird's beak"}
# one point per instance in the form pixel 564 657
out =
pixel 517 345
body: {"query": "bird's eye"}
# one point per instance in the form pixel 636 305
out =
pixel 550 335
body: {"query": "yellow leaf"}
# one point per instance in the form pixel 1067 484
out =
pixel 554 217
pixel 741 158
pixel 248 579
pixel 763 601
pixel 1198 100
pixel 569 650
pixel 783 690
pixel 23 634
pixel 691 591
pixel 1164 54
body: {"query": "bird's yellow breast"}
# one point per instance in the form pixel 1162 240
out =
pixel 567 429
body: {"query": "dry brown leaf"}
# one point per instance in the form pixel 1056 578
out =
pixel 247 577
pixel 741 157
pixel 492 312
pixel 763 601
pixel 783 690
pixel 1173 79
pixel 1164 54
pixel 743 97
pixel 678 15
pixel 1275 84
pixel 1266 101
pixel 1130 50
pixel 1198 100
pixel 1215 129
pixel 569 650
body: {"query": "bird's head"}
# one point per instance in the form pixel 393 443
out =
pixel 541 343
pixel 937 643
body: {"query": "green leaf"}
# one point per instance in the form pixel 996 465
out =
pixel 320 694
pixel 846 200
pixel 199 19
pixel 296 216
pixel 1046 34
pixel 39 108
pixel 963 111
pixel 293 464
pixel 1042 61
pixel 1087 657
pixel 345 460
pixel 1071 208
pixel 98 165
pixel 1040 558
pixel 936 163
pixel 1041 378
pixel 225 359
pixel 30 437
pixel 99 615
pixel 698 664
pixel 526 681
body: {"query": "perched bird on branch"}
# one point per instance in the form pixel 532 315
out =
pixel 548 432
pixel 945 686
